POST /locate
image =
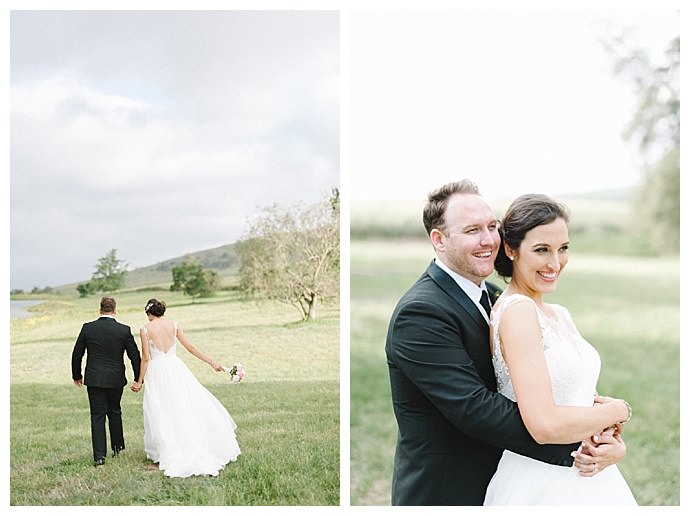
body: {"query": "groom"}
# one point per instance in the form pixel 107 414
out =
pixel 105 341
pixel 453 426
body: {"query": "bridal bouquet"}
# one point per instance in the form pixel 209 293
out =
pixel 236 373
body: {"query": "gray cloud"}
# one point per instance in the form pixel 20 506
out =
pixel 158 133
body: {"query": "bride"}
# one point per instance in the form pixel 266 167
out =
pixel 186 429
pixel 543 363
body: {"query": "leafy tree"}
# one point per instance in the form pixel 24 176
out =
pixel 293 256
pixel 109 276
pixel 88 288
pixel 110 272
pixel 655 129
pixel 193 280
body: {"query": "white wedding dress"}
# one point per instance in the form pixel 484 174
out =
pixel 186 429
pixel 574 369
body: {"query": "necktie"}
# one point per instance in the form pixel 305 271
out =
pixel 484 301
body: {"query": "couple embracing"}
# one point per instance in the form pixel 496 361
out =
pixel 186 429
pixel 495 393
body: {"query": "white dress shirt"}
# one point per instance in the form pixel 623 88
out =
pixel 473 291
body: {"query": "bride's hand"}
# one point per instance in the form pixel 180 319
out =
pixel 619 427
pixel 599 452
pixel 216 366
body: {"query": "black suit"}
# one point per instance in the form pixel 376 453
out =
pixel 105 341
pixel 453 426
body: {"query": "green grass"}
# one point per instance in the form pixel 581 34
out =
pixel 287 410
pixel 627 307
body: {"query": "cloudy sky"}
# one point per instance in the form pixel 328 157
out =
pixel 518 100
pixel 158 133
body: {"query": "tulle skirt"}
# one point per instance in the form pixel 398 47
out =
pixel 186 429
pixel 523 481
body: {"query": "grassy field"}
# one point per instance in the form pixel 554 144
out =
pixel 627 307
pixel 608 223
pixel 287 409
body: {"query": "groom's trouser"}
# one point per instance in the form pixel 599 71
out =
pixel 105 403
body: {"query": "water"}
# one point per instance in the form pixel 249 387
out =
pixel 18 308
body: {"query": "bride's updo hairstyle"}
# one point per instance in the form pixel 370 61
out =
pixel 155 308
pixel 526 213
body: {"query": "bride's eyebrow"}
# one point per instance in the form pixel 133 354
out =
pixel 544 244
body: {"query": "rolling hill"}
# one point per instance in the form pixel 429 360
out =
pixel 223 260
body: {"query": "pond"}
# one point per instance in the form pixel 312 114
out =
pixel 18 308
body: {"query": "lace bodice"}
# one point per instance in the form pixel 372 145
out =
pixel 573 363
pixel 157 352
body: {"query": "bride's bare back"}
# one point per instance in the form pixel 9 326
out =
pixel 161 334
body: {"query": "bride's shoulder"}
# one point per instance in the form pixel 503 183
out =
pixel 515 307
pixel 507 300
pixel 561 311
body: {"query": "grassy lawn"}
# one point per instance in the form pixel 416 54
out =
pixel 287 410
pixel 627 307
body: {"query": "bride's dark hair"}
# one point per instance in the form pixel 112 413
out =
pixel 525 213
pixel 155 307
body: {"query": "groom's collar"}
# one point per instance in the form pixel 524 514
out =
pixel 473 291
pixel 451 287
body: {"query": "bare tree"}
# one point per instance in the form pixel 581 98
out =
pixel 293 256
pixel 655 129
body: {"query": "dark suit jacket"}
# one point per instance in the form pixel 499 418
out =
pixel 453 426
pixel 106 341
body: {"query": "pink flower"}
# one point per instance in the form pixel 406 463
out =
pixel 236 373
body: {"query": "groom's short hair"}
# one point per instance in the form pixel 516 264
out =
pixel 107 305
pixel 437 201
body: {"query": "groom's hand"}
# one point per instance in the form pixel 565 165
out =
pixel 79 382
pixel 599 452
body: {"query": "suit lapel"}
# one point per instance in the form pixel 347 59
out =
pixel 450 287
pixel 494 292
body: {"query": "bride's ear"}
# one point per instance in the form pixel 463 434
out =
pixel 510 253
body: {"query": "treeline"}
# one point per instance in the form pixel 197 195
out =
pixel 35 290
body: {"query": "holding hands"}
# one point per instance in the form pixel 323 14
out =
pixel 599 452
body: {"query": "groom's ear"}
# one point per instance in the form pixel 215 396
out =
pixel 437 239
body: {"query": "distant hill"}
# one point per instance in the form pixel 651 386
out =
pixel 223 260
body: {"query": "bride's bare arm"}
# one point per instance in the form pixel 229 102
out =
pixel 196 352
pixel 145 358
pixel 522 348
